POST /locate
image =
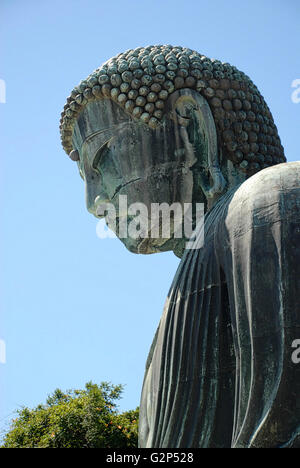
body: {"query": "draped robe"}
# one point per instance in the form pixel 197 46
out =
pixel 220 371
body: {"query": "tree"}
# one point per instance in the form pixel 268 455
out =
pixel 76 419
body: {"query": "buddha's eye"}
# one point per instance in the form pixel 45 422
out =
pixel 99 155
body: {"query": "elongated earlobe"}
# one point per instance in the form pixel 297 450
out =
pixel 191 106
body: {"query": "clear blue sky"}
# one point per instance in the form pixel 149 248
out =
pixel 76 308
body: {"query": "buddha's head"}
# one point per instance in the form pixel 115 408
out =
pixel 165 124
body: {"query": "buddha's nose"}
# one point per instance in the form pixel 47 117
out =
pixel 95 196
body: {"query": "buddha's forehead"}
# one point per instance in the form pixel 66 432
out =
pixel 99 118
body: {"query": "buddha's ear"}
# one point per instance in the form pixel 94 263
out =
pixel 187 106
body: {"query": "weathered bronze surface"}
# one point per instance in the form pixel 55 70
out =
pixel 165 124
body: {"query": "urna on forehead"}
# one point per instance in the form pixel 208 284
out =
pixel 140 81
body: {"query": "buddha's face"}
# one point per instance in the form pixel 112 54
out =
pixel 123 157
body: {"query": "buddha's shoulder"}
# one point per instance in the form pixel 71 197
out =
pixel 267 185
pixel 265 193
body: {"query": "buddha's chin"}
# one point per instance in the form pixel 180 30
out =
pixel 147 246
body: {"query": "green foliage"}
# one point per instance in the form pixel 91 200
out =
pixel 76 419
